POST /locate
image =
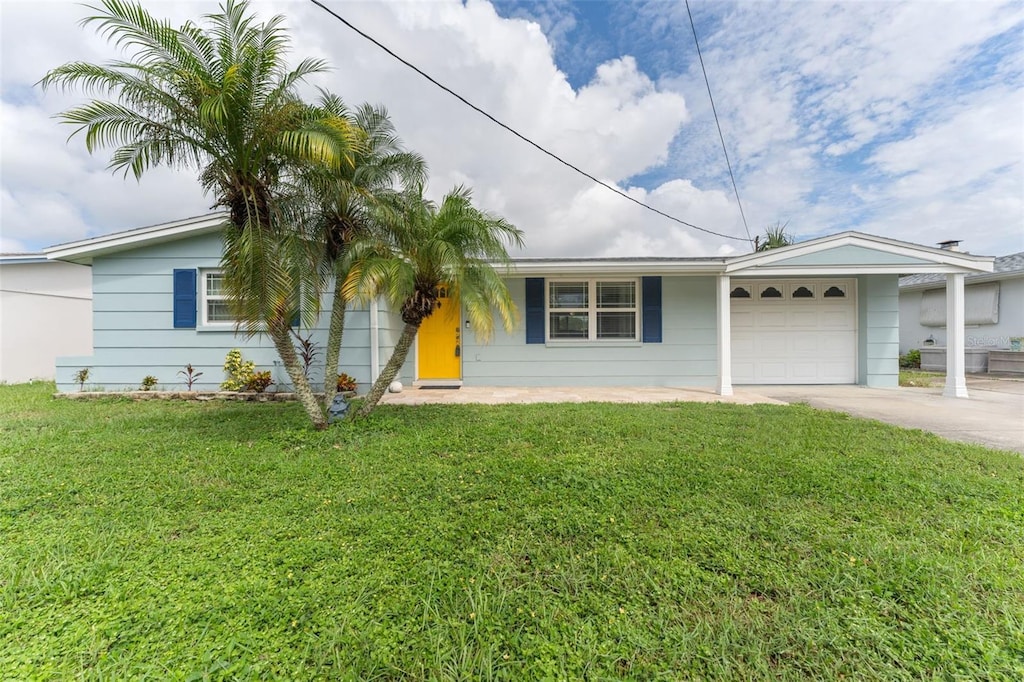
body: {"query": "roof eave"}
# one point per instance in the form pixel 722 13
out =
pixel 973 279
pixel 85 250
pixel 943 261
pixel 597 267
pixel 842 270
pixel 22 258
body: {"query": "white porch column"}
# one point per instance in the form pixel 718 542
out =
pixel 956 383
pixel 724 337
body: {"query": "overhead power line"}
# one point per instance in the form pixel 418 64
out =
pixel 721 137
pixel 517 133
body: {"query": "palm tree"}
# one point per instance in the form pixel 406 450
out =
pixel 774 236
pixel 222 101
pixel 451 246
pixel 349 198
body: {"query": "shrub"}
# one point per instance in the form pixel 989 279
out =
pixel 912 360
pixel 307 350
pixel 190 375
pixel 258 382
pixel 240 371
pixel 346 383
pixel 81 376
pixel 148 382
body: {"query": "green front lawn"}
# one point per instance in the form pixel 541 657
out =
pixel 228 541
pixel 918 378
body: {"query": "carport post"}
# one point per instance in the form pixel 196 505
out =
pixel 724 338
pixel 956 383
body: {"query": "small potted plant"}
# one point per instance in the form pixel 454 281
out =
pixel 191 375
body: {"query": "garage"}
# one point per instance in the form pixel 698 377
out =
pixel 798 331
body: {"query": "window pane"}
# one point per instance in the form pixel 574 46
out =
pixel 616 294
pixel 214 284
pixel 569 325
pixel 569 295
pixel 616 325
pixel 834 292
pixel 218 311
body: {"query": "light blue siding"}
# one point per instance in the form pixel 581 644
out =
pixel 142 284
pixel 686 356
pixel 878 333
pixel 134 335
pixel 390 328
pixel 848 255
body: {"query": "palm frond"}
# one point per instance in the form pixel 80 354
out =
pixel 131 27
pixel 218 96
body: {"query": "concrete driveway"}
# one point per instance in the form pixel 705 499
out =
pixel 992 416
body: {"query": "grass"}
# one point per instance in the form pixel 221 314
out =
pixel 917 378
pixel 227 541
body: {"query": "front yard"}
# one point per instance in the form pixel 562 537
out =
pixel 228 541
pixel 918 378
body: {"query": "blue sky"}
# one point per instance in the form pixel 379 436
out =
pixel 904 119
pixel 659 36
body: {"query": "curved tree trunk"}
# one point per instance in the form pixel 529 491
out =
pixel 391 369
pixel 304 392
pixel 335 334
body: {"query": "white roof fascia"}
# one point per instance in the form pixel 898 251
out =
pixel 623 268
pixel 85 250
pixel 836 270
pixel 960 262
pixel 22 258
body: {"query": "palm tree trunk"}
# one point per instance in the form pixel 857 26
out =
pixel 304 392
pixel 391 369
pixel 335 334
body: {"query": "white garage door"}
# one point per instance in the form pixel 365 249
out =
pixel 794 331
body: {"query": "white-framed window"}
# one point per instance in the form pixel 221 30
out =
pixel 592 310
pixel 214 308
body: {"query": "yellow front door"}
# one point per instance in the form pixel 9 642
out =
pixel 440 342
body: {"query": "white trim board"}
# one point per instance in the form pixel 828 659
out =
pixel 966 261
pixel 85 250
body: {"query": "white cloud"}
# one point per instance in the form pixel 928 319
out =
pixel 824 105
pixel 618 125
pixel 837 115
pixel 965 155
pixel 54 191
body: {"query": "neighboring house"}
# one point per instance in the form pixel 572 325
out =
pixel 45 312
pixel 823 311
pixel 994 307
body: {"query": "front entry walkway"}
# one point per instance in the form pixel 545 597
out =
pixel 495 395
pixel 993 416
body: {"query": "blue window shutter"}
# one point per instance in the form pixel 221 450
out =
pixel 652 309
pixel 184 299
pixel 534 310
